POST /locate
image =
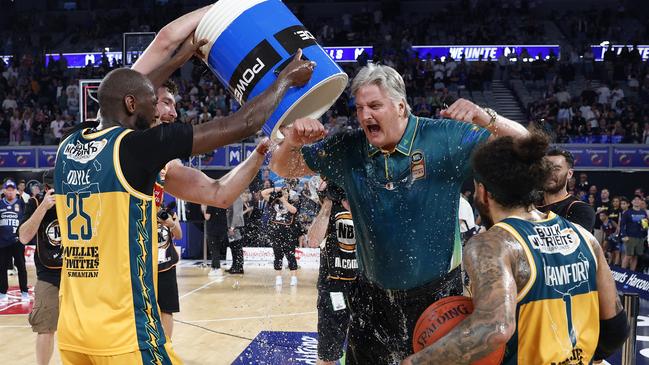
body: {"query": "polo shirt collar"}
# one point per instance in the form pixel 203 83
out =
pixel 405 144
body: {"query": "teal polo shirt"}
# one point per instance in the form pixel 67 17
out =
pixel 404 203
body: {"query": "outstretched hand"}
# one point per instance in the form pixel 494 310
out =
pixel 299 71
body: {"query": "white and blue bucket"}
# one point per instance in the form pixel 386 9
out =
pixel 251 41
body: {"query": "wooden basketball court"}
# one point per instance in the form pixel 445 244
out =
pixel 218 318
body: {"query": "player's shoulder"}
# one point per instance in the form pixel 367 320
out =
pixel 495 241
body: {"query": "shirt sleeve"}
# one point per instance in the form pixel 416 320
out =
pixel 144 153
pixel 462 138
pixel 582 214
pixel 330 156
pixel 30 208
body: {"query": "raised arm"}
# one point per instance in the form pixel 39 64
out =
pixel 287 160
pixel 167 41
pixel 189 48
pixel 253 114
pixel 219 193
pixel 29 227
pixel 488 263
pixel 318 229
pixel 467 111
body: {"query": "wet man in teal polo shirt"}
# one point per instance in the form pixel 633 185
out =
pixel 402 175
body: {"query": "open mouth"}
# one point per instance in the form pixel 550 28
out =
pixel 373 128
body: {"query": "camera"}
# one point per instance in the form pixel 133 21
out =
pixel 334 192
pixel 165 212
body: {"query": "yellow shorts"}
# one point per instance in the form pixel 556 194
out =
pixel 165 356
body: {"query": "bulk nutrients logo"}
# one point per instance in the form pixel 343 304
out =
pixel 252 69
pixel 84 152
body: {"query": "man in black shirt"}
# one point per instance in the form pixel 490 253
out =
pixel 40 221
pixel 556 197
pixel 604 205
pixel 338 269
pixel 284 228
pixel 216 231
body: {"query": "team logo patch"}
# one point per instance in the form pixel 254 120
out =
pixel 53 232
pixel 417 165
pixel 84 152
pixel 553 239
pixel 17 208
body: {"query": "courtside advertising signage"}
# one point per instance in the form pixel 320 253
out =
pixel 473 52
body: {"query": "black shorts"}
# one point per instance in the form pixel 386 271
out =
pixel 168 291
pixel 332 327
pixel 383 320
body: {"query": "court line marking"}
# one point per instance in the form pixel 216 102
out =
pixel 201 288
pixel 16 326
pixel 15 304
pixel 251 317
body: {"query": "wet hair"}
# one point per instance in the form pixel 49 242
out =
pixel 513 171
pixel 386 78
pixel 570 159
pixel 171 86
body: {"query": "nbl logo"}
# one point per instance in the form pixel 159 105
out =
pixel 53 233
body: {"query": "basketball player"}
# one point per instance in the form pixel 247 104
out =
pixel 104 200
pixel 333 231
pixel 402 175
pixel 556 197
pixel 40 221
pixel 176 178
pixel 540 283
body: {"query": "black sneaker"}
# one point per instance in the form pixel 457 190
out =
pixel 231 271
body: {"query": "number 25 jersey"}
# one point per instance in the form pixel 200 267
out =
pixel 108 303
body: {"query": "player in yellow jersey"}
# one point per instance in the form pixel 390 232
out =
pixel 540 284
pixel 104 186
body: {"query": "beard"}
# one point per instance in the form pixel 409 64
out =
pixel 483 209
pixel 142 123
pixel 561 183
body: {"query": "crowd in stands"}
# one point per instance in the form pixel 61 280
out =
pixel 572 97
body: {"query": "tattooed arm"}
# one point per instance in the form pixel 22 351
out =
pixel 488 259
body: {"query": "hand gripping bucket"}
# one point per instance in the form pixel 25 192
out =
pixel 251 41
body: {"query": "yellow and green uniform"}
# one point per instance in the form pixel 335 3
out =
pixel 557 314
pixel 108 300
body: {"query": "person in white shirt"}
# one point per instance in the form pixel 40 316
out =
pixel 616 95
pixel 604 94
pixel 9 102
pixel 21 191
pixel 467 219
pixel 57 128
pixel 562 96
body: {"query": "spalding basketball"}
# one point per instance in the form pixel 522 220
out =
pixel 440 318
